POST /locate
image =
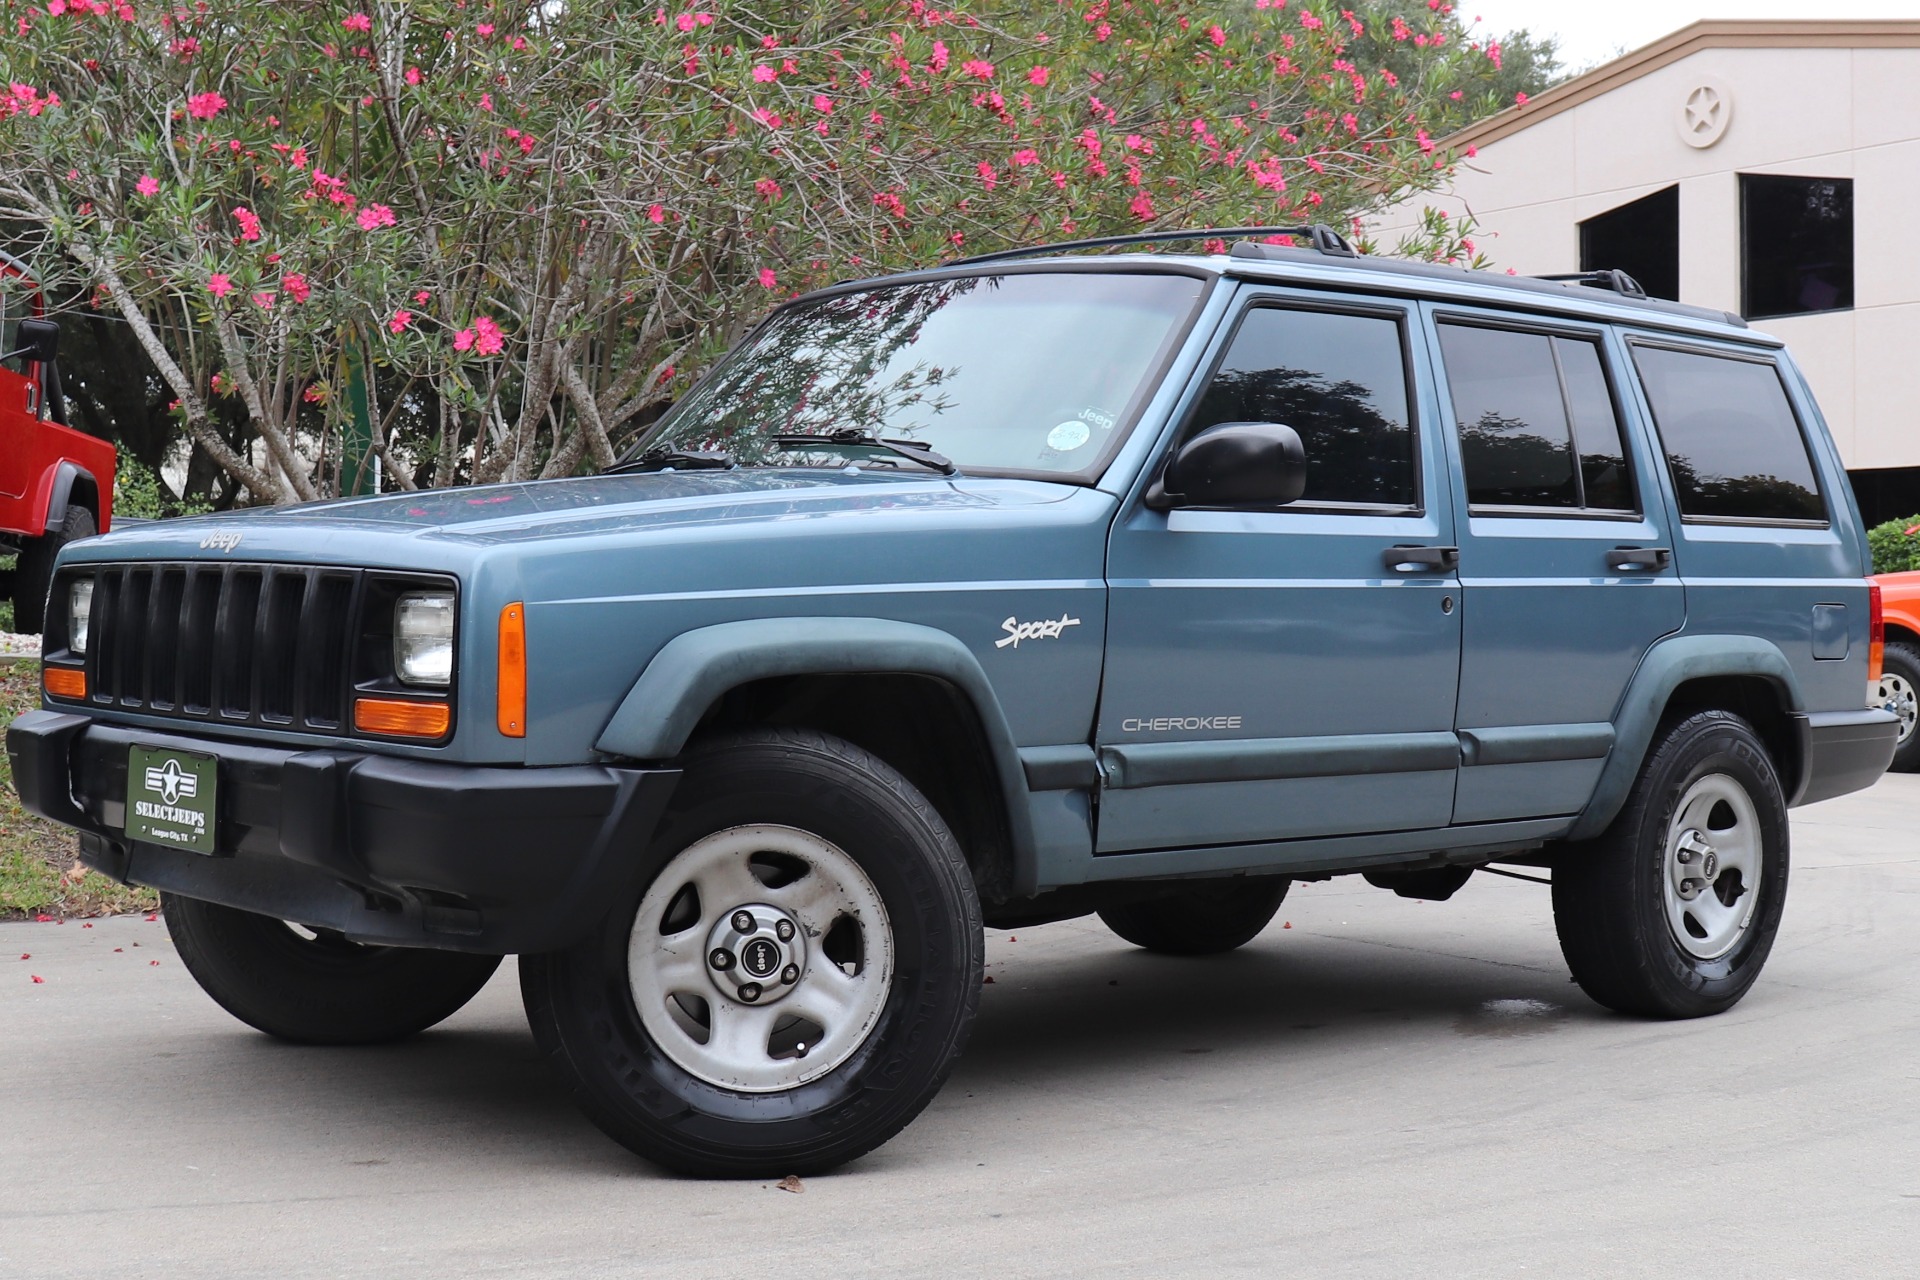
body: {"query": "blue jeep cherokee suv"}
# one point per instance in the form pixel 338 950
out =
pixel 1007 592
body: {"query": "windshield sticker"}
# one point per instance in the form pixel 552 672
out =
pixel 1045 629
pixel 1069 435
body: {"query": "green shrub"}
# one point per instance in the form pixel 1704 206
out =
pixel 1895 545
pixel 139 493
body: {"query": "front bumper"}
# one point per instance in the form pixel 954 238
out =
pixel 385 850
pixel 1842 751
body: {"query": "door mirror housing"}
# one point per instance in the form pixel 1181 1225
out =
pixel 39 341
pixel 1234 464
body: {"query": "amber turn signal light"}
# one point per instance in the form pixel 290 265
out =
pixel 65 682
pixel 512 702
pixel 399 718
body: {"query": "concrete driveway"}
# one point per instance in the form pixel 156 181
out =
pixel 1385 1088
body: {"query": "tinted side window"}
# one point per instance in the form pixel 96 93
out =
pixel 1730 435
pixel 1537 426
pixel 1341 382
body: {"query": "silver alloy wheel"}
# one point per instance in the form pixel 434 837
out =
pixel 1899 697
pixel 1714 859
pixel 760 958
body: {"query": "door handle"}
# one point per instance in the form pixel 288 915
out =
pixel 1421 559
pixel 1639 559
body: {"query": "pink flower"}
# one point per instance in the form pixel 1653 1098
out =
pixel 296 286
pixel 1024 157
pixel 1519 99
pixel 1038 75
pixel 421 297
pixel 978 69
pixel 484 30
pixel 401 319
pixel 768 188
pixel 655 213
pixel 463 340
pixel 939 60
pixel 767 279
pixel 263 300
pixel 205 106
pixel 148 185
pixel 764 74
pixel 375 216
pixel 823 104
pixel 357 22
pixel 1142 207
pixel 249 224
pixel 219 285
pixel 488 340
pixel 413 75
pixel 988 177
pixel 1218 37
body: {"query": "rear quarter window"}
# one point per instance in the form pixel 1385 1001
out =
pixel 1732 440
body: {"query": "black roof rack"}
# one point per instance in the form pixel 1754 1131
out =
pixel 1618 281
pixel 1320 236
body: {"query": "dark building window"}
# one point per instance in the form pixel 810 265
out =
pixel 1886 493
pixel 1796 245
pixel 1641 238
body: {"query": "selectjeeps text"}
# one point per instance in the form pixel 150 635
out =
pixel 1007 592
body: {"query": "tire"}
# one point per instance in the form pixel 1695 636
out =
pixel 1900 694
pixel 1204 920
pixel 33 571
pixel 677 1060
pixel 320 989
pixel 1708 797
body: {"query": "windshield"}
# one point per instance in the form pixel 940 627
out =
pixel 1032 372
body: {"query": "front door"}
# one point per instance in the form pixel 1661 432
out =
pixel 1565 556
pixel 1290 671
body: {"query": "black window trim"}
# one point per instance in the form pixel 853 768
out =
pixel 1635 342
pixel 1597 335
pixel 1402 315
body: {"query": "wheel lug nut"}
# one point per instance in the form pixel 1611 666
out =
pixel 790 974
pixel 721 959
pixel 743 922
pixel 750 992
pixel 784 930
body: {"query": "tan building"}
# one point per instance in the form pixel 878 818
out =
pixel 1770 169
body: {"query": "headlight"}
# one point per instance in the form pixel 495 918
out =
pixel 79 613
pixel 423 637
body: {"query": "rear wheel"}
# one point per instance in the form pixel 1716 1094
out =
pixel 1672 911
pixel 316 987
pixel 1900 694
pixel 33 570
pixel 792 979
pixel 1209 918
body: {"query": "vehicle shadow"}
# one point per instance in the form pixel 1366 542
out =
pixel 479 1090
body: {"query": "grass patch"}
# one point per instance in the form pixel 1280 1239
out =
pixel 40 871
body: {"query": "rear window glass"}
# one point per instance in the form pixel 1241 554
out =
pixel 1730 436
pixel 1537 426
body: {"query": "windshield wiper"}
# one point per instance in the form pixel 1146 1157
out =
pixel 851 438
pixel 662 457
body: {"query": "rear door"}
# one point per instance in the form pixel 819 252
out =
pixel 1566 558
pixel 1283 672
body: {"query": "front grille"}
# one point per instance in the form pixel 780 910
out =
pixel 242 644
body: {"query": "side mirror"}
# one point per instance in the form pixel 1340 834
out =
pixel 1234 464
pixel 39 340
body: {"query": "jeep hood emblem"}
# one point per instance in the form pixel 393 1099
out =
pixel 220 542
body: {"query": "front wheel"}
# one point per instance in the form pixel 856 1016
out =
pixel 1900 693
pixel 793 981
pixel 1671 912
pixel 33 570
pixel 316 987
pixel 1207 919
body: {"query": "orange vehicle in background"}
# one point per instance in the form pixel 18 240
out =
pixel 56 483
pixel 1900 670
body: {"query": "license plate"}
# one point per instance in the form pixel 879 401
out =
pixel 171 798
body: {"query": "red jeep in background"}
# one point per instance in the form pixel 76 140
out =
pixel 56 484
pixel 1900 672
